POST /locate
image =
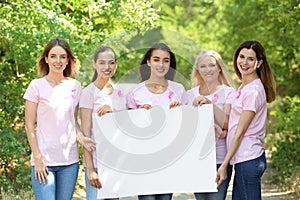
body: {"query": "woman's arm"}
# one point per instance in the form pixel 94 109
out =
pixel 86 142
pixel 40 168
pixel 221 117
pixel 86 125
pixel 244 122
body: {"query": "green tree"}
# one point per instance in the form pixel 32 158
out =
pixel 26 27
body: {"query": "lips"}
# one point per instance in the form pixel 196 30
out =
pixel 108 72
pixel 160 70
pixel 209 75
pixel 58 67
pixel 244 68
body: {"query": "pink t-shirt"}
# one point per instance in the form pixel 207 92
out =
pixel 92 98
pixel 251 97
pixel 56 128
pixel 140 95
pixel 224 95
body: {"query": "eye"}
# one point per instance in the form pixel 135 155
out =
pixel 212 65
pixel 112 62
pixel 241 56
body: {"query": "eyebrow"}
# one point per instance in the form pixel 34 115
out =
pixel 106 60
pixel 58 54
pixel 247 56
pixel 160 57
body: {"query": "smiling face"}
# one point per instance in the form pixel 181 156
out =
pixel 159 63
pixel 105 64
pixel 208 69
pixel 57 59
pixel 247 63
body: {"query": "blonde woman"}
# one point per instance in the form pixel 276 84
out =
pixel 212 85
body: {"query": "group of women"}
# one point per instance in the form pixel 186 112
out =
pixel 54 99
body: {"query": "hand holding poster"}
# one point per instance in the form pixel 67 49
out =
pixel 156 151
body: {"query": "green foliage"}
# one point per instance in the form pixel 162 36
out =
pixel 130 27
pixel 25 28
pixel 285 151
pixel 275 24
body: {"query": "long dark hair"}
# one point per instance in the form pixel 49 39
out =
pixel 97 52
pixel 264 72
pixel 145 69
pixel 43 67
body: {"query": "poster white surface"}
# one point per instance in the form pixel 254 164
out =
pixel 156 151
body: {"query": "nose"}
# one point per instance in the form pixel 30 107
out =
pixel 245 61
pixel 58 59
pixel 107 65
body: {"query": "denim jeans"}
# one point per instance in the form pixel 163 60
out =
pixel 247 179
pixel 91 192
pixel 155 197
pixel 222 191
pixel 61 183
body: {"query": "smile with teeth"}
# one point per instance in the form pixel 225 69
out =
pixel 58 66
pixel 209 75
pixel 244 68
pixel 106 72
pixel 161 70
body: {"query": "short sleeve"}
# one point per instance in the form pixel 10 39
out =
pixel 32 92
pixel 86 98
pixel 78 91
pixel 252 100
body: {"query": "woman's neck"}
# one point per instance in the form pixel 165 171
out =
pixel 102 83
pixel 54 79
pixel 157 85
pixel 248 79
pixel 158 80
pixel 207 89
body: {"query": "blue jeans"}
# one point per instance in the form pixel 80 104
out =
pixel 61 183
pixel 222 191
pixel 247 179
pixel 91 192
pixel 156 197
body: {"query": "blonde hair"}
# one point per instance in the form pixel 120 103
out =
pixel 223 76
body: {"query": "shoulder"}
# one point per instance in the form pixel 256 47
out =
pixel 90 88
pixel 255 86
pixel 74 81
pixel 37 83
pixel 193 90
pixel 38 80
pixel 228 89
pixel 175 86
pixel 139 87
